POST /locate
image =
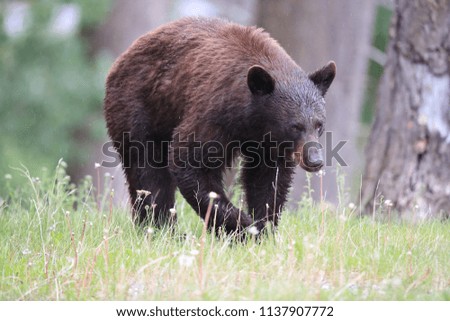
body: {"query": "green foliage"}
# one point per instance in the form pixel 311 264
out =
pixel 381 28
pixel 51 89
pixel 59 242
pixel 379 41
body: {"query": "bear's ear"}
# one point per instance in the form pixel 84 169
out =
pixel 259 81
pixel 323 77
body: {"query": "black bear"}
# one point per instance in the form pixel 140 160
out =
pixel 187 98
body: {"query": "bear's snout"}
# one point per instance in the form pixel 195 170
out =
pixel 313 157
pixel 310 156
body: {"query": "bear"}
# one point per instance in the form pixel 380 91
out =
pixel 183 101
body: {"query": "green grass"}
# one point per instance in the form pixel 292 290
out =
pixel 57 243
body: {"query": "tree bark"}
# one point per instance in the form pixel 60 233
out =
pixel 408 153
pixel 314 32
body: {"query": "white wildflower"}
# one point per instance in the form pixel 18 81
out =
pixel 213 195
pixel 143 192
pixel 185 260
pixel 326 286
pixel 396 281
pixel 97 165
pixel 353 288
pixel 253 230
pixel 320 173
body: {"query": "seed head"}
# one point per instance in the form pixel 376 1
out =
pixel 253 230
pixel 62 163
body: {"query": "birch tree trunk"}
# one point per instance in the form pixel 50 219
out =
pixel 408 153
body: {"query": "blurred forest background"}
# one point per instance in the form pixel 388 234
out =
pixel 55 55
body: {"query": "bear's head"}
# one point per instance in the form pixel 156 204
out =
pixel 293 110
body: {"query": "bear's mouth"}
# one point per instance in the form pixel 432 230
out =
pixel 298 158
pixel 309 168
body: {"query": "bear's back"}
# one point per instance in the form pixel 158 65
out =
pixel 197 48
pixel 190 65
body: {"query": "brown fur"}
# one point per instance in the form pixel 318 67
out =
pixel 192 77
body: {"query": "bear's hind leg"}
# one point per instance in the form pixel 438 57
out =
pixel 151 186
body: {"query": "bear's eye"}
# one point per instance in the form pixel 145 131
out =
pixel 319 128
pixel 298 128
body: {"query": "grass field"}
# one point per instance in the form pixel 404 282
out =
pixel 58 242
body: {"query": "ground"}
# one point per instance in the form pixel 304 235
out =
pixel 93 252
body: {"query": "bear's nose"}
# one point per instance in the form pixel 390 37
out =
pixel 314 157
pixel 315 161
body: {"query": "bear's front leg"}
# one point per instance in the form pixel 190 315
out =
pixel 261 183
pixel 196 178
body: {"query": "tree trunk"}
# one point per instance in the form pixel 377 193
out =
pixel 408 153
pixel 314 32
